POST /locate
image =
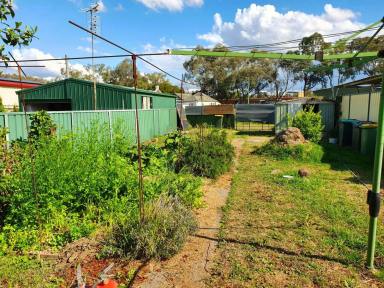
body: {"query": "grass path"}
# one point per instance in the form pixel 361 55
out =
pixel 300 232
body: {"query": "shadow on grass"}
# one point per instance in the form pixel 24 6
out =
pixel 278 249
pixel 137 271
pixel 347 159
pixel 254 133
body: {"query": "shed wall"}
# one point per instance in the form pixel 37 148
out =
pixel 363 106
pixel 109 97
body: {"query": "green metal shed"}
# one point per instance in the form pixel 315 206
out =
pixel 76 95
pixel 285 110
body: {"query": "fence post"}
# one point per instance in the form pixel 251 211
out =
pixel 7 133
pixel 110 124
pixel 72 124
pixel 135 113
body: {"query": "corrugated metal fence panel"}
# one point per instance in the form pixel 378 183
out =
pixel 255 112
pixel 374 107
pixel 2 121
pixel 152 122
pixel 281 111
pixel 345 107
pixel 328 114
pixel 146 120
pixel 16 126
pixel 359 107
pixel 194 110
pixel 123 122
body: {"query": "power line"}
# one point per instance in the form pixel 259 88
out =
pixel 128 51
pixel 83 58
pixel 255 46
pixel 22 66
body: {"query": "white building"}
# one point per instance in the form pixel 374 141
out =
pixel 196 99
pixel 8 88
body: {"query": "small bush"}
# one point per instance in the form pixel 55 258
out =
pixel 208 155
pixel 42 125
pixel 166 226
pixel 303 152
pixel 310 124
pixel 2 108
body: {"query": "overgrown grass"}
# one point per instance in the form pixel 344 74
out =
pixel 60 189
pixel 302 152
pixel 299 232
pixel 164 230
pixel 21 271
pixel 207 153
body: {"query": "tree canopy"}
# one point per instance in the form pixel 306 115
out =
pixel 223 78
pixel 12 34
pixel 122 74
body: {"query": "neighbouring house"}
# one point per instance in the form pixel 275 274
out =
pixel 74 95
pixel 8 88
pixel 297 94
pixel 196 99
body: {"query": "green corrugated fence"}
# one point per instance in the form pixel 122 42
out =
pixel 153 123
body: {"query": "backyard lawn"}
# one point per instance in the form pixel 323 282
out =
pixel 297 232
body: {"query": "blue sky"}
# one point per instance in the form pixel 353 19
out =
pixel 153 25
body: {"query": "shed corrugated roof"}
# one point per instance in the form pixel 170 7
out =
pixel 86 82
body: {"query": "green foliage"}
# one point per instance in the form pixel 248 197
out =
pixel 65 187
pixel 302 152
pixel 209 155
pixel 13 35
pixel 165 228
pixel 42 125
pixel 22 271
pixel 2 108
pixel 310 124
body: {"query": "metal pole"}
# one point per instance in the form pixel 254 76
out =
pixel 66 67
pixel 139 160
pixel 93 64
pixel 377 168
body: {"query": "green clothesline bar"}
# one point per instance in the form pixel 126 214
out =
pixel 266 55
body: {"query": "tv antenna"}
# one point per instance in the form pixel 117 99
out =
pixel 94 22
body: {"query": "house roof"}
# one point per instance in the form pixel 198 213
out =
pixel 86 82
pixel 364 85
pixel 196 97
pixel 15 83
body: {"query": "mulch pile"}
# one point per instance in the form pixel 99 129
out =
pixel 290 136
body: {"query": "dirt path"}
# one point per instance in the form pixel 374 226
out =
pixel 191 266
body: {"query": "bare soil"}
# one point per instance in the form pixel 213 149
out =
pixel 193 265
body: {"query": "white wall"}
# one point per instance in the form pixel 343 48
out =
pixel 9 97
pixel 194 103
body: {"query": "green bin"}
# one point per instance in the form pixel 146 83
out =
pixel 356 137
pixel 368 139
pixel 346 131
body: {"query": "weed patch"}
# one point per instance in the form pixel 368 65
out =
pixel 303 152
pixel 166 226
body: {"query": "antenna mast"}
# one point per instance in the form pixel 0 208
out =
pixel 94 25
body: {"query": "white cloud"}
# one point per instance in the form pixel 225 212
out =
pixel 86 49
pixel 259 24
pixel 119 7
pixel 51 70
pixel 171 5
pixel 102 7
pixel 171 64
